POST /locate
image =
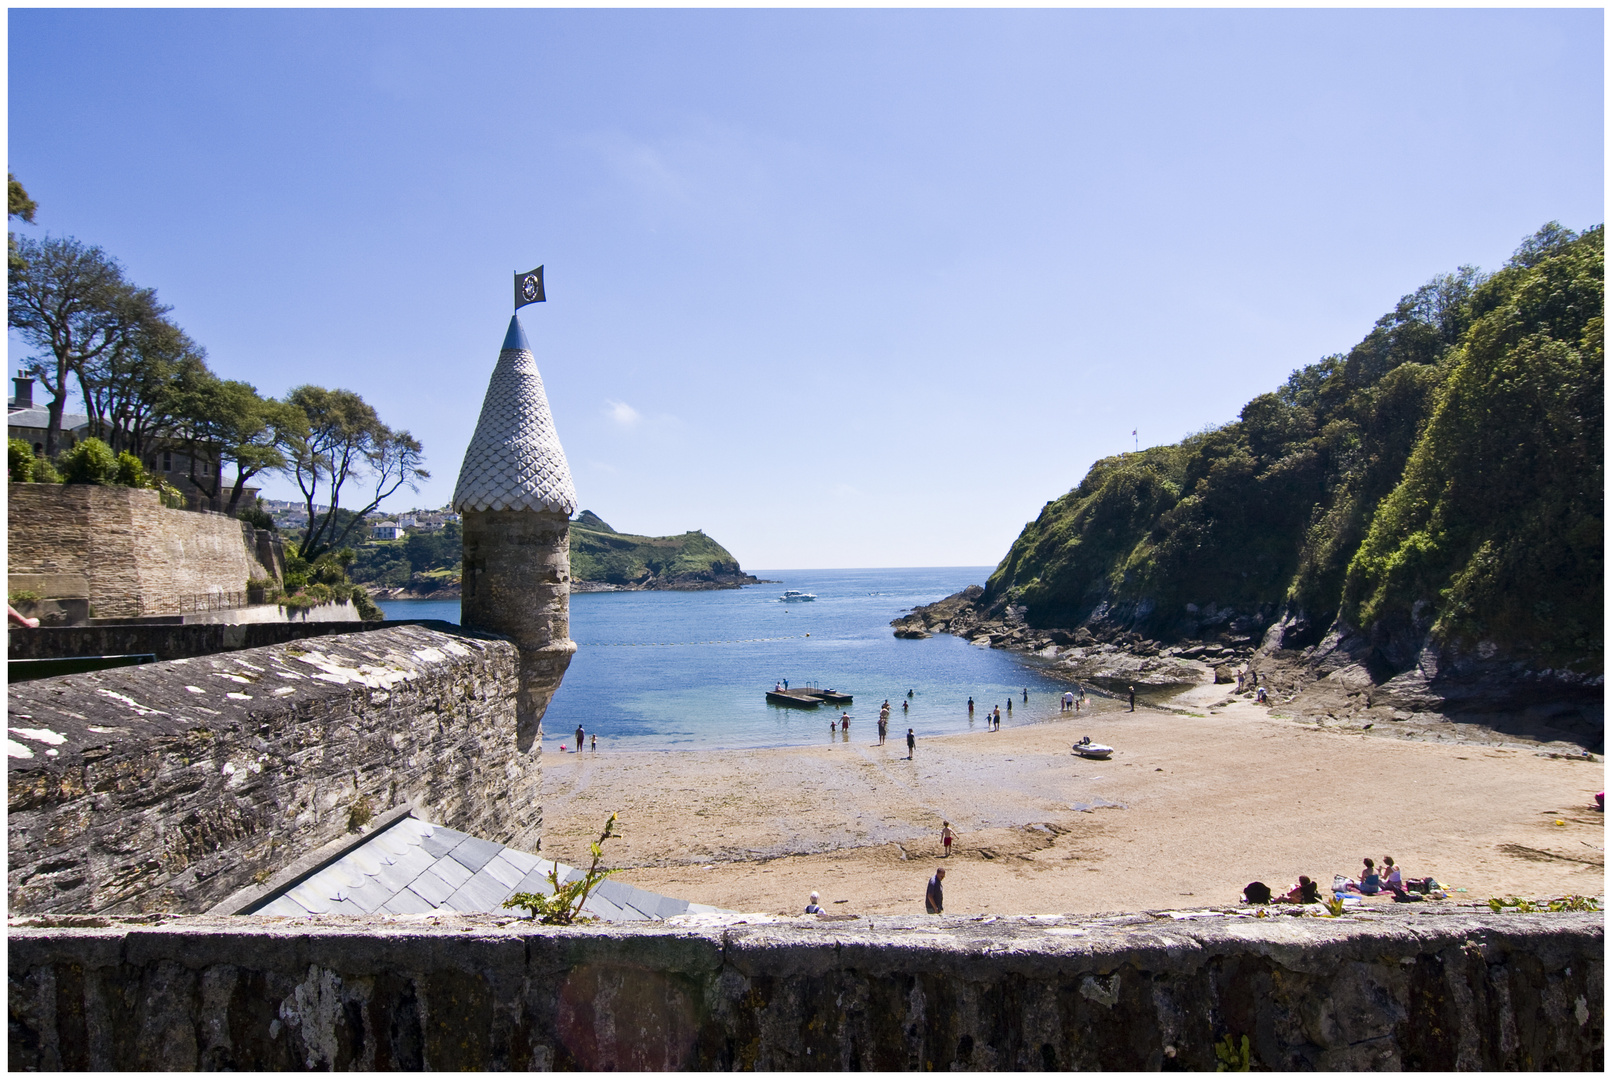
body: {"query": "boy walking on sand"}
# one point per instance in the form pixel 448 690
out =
pixel 912 744
pixel 946 837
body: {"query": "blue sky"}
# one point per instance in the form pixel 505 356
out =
pixel 842 288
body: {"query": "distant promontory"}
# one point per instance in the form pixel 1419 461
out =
pixel 604 560
pixel 426 565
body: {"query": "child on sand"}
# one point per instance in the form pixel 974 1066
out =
pixel 946 837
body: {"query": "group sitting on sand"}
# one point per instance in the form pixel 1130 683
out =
pixel 1374 881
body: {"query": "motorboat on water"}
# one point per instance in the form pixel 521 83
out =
pixel 793 595
pixel 1096 750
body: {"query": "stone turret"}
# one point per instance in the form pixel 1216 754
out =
pixel 516 495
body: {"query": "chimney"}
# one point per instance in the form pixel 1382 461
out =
pixel 25 393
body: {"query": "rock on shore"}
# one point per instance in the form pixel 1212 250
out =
pixel 1393 676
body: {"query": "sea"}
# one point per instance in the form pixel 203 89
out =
pixel 690 670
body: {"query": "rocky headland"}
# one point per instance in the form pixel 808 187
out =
pixel 1407 534
pixel 604 560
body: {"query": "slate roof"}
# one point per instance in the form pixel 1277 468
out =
pixel 413 867
pixel 39 417
pixel 514 461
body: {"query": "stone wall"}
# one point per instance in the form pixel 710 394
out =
pixel 171 785
pixel 173 640
pixel 1397 990
pixel 135 556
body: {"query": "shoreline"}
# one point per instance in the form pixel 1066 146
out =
pixel 1189 810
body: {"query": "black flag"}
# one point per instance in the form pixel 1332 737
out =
pixel 529 288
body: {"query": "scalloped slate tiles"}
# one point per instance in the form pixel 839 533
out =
pixel 514 461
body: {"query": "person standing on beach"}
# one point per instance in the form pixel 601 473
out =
pixel 884 726
pixel 1068 701
pixel 934 898
pixel 912 743
pixel 1133 699
pixel 593 741
pixel 579 738
pixel 946 837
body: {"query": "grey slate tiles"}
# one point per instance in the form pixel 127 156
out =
pixel 414 868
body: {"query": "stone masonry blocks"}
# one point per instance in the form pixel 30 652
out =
pixel 170 786
pixel 1428 990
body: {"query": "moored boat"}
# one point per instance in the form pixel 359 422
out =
pixel 1096 750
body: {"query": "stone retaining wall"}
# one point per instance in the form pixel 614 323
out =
pixel 173 640
pixel 134 556
pixel 1429 991
pixel 172 785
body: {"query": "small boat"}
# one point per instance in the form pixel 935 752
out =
pixel 1088 749
pixel 792 595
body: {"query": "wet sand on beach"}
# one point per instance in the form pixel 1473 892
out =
pixel 1189 810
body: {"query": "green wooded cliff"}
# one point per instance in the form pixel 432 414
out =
pixel 1444 474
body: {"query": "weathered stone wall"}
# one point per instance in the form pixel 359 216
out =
pixel 517 582
pixel 1465 990
pixel 169 786
pixel 173 640
pixel 136 556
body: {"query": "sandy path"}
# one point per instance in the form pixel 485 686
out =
pixel 1206 804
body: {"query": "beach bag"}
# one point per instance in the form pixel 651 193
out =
pixel 1257 892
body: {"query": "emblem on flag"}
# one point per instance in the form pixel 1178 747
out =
pixel 529 288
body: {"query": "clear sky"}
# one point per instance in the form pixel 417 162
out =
pixel 842 288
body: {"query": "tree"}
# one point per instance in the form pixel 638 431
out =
pixel 69 300
pixel 344 439
pixel 18 204
pixel 128 390
pixel 225 420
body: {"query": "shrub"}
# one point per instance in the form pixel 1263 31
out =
pixel 130 472
pixel 366 607
pixel 258 518
pixel 19 461
pixel 45 472
pixel 90 462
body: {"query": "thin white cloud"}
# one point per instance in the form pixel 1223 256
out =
pixel 624 414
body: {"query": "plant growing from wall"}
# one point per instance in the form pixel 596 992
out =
pixel 564 905
pixel 1232 1056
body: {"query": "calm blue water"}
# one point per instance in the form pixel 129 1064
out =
pixel 690 670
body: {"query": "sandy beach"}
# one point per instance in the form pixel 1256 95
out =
pixel 1193 805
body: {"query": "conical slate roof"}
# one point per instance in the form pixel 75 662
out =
pixel 514 461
